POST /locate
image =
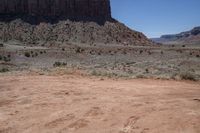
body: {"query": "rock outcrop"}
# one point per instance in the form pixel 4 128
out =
pixel 74 21
pixel 98 9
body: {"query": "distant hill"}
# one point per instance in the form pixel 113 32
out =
pixel 187 37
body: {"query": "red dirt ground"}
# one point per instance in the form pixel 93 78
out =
pixel 82 104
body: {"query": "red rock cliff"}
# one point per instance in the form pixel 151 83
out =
pixel 55 8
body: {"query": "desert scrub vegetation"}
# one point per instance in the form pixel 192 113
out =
pixel 27 54
pixel 33 54
pixel 3 70
pixel 36 54
pixel 59 64
pixel 1 45
pixel 6 58
pixel 108 74
pixel 79 50
pixel 187 76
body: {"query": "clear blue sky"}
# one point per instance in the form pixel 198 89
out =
pixel 157 17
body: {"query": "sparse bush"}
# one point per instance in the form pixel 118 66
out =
pixel 104 74
pixel 6 59
pixel 141 51
pixel 4 70
pixel 64 64
pixel 140 76
pixel 180 51
pixel 59 64
pixel 147 70
pixel 63 49
pixel 187 76
pixel 36 54
pixel 27 54
pixel 95 73
pixel 197 56
pixel 149 53
pixel 1 57
pixel 183 46
pixel 41 52
pixel 1 44
pixel 161 52
pixel 79 50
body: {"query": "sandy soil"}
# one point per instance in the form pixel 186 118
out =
pixel 77 104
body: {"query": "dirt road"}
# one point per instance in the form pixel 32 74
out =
pixel 77 104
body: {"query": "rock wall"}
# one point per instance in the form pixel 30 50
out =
pixel 56 8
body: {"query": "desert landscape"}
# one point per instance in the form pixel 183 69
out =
pixel 67 66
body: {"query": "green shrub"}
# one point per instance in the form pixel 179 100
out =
pixel 64 64
pixel 79 50
pixel 6 59
pixel 187 76
pixel 27 54
pixel 4 70
pixel 147 70
pixel 59 64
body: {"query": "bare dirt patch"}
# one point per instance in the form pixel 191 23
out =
pixel 81 104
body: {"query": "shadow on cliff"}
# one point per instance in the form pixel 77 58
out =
pixel 35 20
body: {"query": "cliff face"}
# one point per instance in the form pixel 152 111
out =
pixel 194 32
pixel 56 8
pixel 186 37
